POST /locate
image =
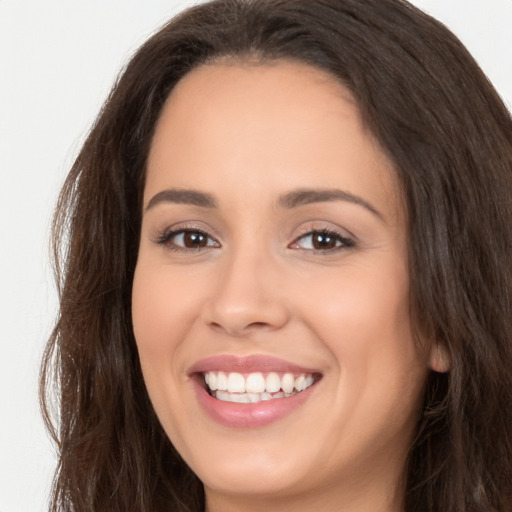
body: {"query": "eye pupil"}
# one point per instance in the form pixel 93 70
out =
pixel 323 241
pixel 194 239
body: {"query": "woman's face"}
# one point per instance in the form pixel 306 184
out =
pixel 273 261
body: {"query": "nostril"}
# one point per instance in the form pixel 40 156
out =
pixel 239 330
pixel 257 325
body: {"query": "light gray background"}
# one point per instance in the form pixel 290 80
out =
pixel 58 59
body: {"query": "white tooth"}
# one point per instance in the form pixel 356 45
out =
pixel 206 378
pixel 222 395
pixel 272 383
pixel 212 381
pixel 287 382
pixel 233 387
pixel 222 381
pixel 239 398
pixel 236 383
pixel 255 383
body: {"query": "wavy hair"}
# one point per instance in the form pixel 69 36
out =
pixel 450 137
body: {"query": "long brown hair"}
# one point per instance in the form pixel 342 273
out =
pixel 450 138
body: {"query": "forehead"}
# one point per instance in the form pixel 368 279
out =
pixel 270 125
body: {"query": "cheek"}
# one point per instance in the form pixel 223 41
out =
pixel 149 304
pixel 361 314
pixel 361 303
pixel 150 308
pixel 163 306
pixel 381 382
pixel 151 311
pixel 161 316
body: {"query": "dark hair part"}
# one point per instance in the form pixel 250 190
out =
pixel 450 138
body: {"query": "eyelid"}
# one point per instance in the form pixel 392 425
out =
pixel 344 237
pixel 347 241
pixel 164 236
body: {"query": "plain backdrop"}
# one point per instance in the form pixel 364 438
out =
pixel 58 60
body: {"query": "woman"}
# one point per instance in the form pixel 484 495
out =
pixel 304 207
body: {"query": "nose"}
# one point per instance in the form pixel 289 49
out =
pixel 248 296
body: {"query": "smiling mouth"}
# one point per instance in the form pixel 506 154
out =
pixel 256 386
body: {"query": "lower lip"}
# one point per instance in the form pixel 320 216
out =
pixel 249 415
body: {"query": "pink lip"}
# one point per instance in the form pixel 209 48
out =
pixel 251 415
pixel 248 364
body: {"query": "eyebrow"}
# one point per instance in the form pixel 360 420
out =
pixel 180 196
pixel 308 196
pixel 290 200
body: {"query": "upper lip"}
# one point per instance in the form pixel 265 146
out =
pixel 247 364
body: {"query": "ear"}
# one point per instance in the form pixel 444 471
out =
pixel 440 359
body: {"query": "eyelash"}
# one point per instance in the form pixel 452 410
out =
pixel 342 242
pixel 166 237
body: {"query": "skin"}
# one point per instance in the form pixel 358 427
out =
pixel 247 133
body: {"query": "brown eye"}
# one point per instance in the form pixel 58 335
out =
pixel 324 240
pixel 193 239
pixel 188 239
